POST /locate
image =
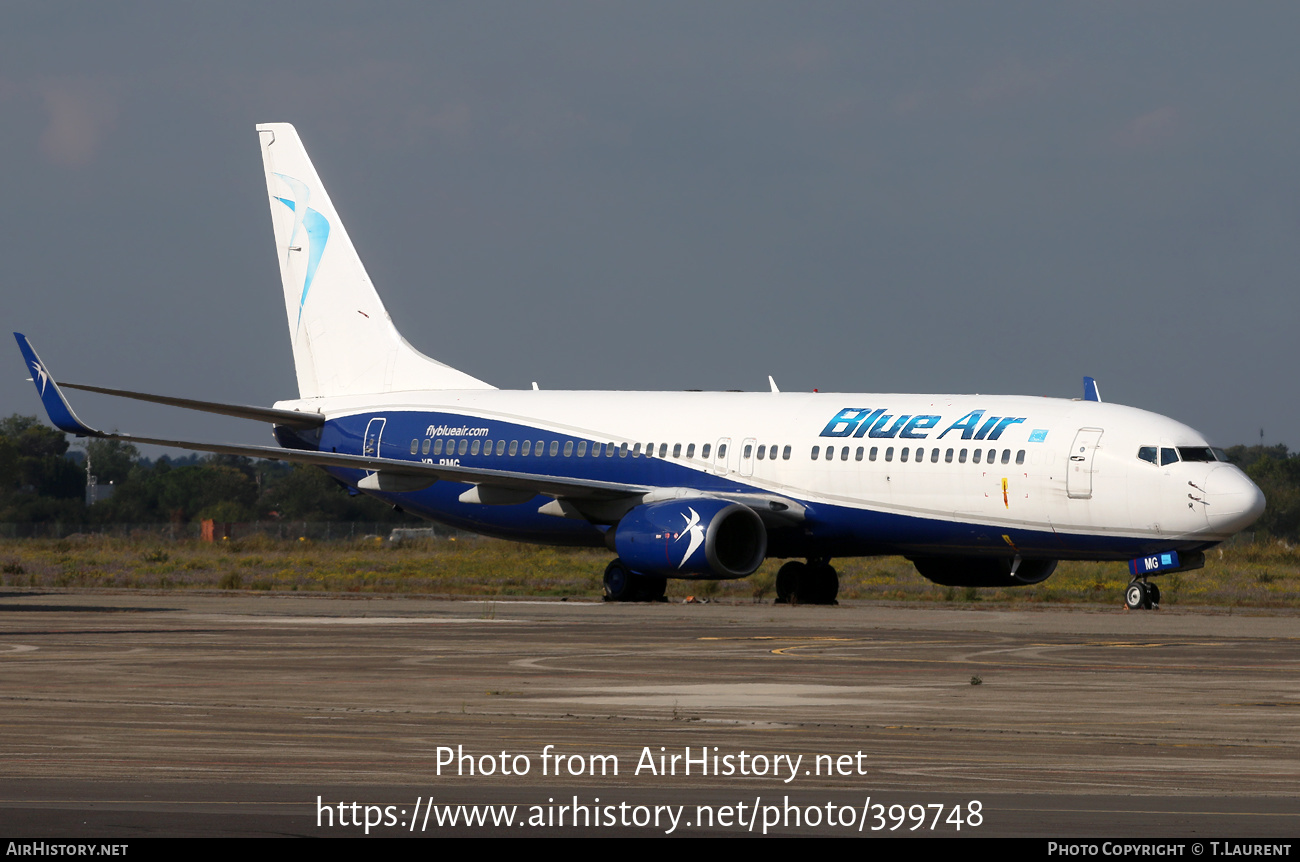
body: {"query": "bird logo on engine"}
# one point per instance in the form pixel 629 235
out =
pixel 697 535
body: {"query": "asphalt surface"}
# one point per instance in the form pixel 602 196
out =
pixel 129 715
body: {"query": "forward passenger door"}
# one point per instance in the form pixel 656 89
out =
pixel 1080 467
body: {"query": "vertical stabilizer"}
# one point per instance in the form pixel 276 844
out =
pixel 344 342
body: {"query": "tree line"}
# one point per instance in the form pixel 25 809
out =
pixel 43 479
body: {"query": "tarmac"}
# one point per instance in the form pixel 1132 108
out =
pixel 130 715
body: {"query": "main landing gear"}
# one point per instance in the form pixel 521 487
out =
pixel 811 583
pixel 1141 595
pixel 624 585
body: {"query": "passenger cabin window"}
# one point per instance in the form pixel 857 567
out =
pixel 947 457
pixel 677 450
pixel 704 452
pixel 568 448
pixel 663 449
pixel 514 448
pixel 1020 457
pixel 636 451
pixel 902 456
pixel 609 450
pixel 975 458
pixel 816 452
pixel 961 457
pixel 722 450
pixel 463 446
pixel 622 451
pixel 934 456
pixel 857 456
pixel 748 451
pixel 830 453
pixel 690 451
pixel 473 450
pixel 528 448
pixel 415 446
pixel 582 448
pixel 538 447
pixel 1168 456
pixel 844 454
pixel 889 453
pixel 1147 453
pixel 425 447
pixel 785 454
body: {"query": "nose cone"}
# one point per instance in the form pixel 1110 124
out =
pixel 1234 501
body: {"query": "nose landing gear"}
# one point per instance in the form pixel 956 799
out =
pixel 1141 595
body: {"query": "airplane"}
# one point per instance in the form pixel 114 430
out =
pixel 975 490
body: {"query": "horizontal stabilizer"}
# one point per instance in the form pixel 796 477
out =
pixel 291 418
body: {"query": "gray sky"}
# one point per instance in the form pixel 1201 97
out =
pixel 911 197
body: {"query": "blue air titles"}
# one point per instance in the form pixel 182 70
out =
pixel 865 422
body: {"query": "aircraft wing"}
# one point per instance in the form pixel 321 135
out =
pixel 390 473
pixel 598 501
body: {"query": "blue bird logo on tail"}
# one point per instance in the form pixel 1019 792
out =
pixel 318 233
pixel 42 376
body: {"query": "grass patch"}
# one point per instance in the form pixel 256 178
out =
pixel 1237 575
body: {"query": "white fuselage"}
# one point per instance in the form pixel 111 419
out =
pixel 1051 467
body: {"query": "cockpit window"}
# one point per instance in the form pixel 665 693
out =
pixel 1196 453
pixel 1147 453
pixel 1168 456
pixel 1220 454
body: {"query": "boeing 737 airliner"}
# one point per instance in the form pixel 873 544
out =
pixel 975 490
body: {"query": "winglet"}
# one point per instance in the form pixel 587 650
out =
pixel 1090 392
pixel 56 405
pixel 772 383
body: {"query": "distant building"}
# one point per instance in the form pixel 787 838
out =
pixel 96 492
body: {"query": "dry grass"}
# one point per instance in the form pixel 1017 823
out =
pixel 1241 575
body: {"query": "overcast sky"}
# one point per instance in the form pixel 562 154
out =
pixel 864 197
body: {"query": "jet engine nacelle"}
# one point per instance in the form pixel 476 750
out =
pixel 983 571
pixel 694 537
